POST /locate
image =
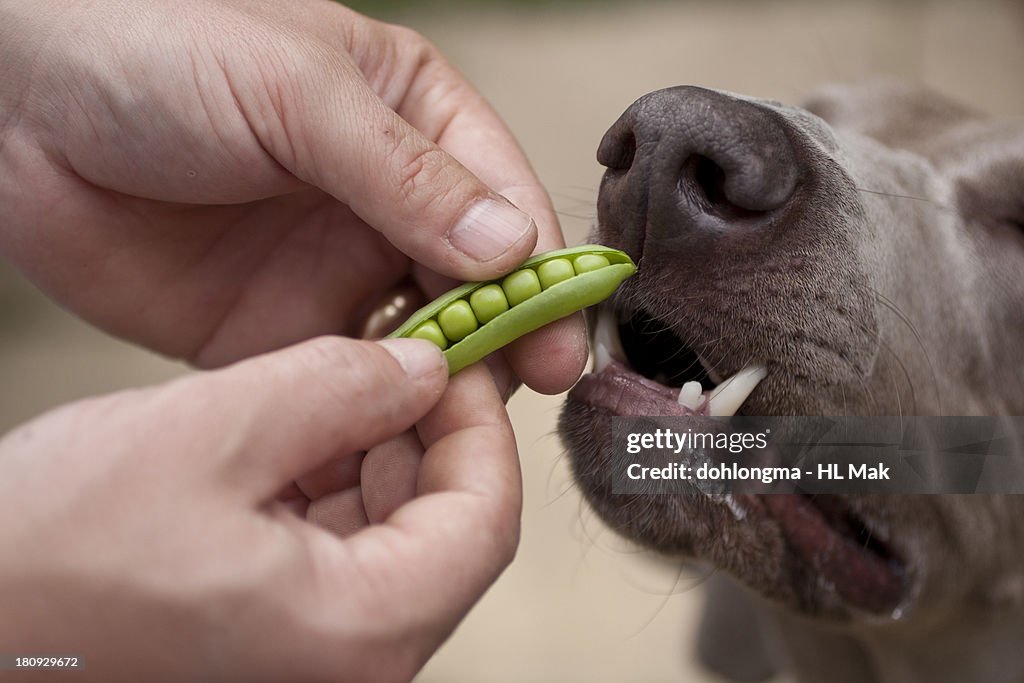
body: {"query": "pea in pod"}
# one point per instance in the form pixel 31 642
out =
pixel 478 318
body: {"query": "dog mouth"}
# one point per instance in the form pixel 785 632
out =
pixel 642 365
pixel 827 548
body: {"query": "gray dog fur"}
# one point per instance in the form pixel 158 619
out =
pixel 893 284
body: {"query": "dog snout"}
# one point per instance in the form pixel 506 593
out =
pixel 686 164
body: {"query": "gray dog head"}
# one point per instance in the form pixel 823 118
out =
pixel 865 256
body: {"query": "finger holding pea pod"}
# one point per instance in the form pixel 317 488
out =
pixel 478 318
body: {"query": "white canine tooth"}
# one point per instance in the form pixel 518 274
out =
pixel 602 357
pixel 607 345
pixel 728 396
pixel 689 395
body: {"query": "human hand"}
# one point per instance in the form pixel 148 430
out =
pixel 218 179
pixel 143 532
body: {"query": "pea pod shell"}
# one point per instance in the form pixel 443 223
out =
pixel 552 304
pixel 556 302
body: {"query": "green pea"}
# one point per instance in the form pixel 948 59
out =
pixel 520 286
pixel 457 320
pixel 431 332
pixel 586 263
pixel 554 271
pixel 520 305
pixel 488 302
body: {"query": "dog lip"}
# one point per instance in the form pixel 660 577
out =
pixel 864 577
pixel 622 392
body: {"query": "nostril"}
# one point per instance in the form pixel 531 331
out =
pixel 685 165
pixel 617 151
pixel 703 182
pixel 710 178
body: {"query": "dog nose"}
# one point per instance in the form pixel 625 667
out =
pixel 687 164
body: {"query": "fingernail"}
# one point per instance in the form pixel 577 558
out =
pixel 489 228
pixel 416 356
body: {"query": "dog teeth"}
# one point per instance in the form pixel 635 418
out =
pixel 722 401
pixel 690 395
pixel 607 345
pixel 728 396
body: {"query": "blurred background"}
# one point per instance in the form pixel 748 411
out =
pixel 579 604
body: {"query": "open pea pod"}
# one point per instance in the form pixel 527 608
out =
pixel 478 318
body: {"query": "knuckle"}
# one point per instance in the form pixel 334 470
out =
pixel 403 35
pixel 417 50
pixel 331 357
pixel 503 533
pixel 328 352
pixel 508 539
pixel 421 171
pixel 348 371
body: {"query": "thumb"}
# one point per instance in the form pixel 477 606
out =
pixel 284 414
pixel 338 135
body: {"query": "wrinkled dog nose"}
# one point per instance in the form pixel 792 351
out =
pixel 687 164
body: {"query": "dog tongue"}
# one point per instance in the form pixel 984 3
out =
pixel 859 576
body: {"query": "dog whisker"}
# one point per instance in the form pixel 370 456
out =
pixel 673 592
pixel 894 195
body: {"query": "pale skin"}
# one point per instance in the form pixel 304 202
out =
pixel 222 181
